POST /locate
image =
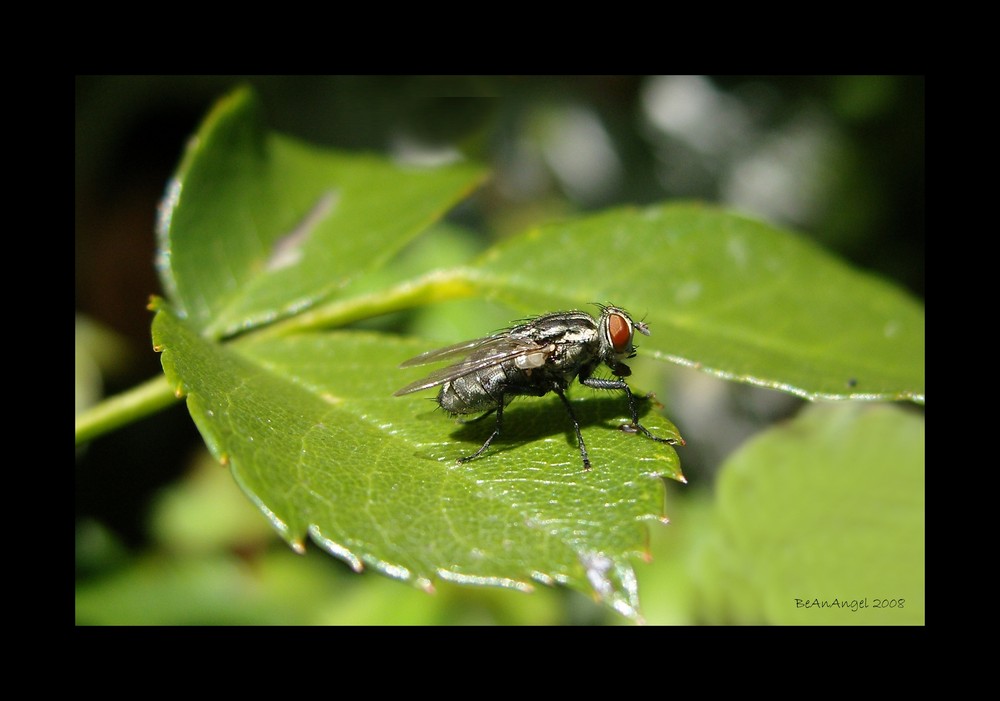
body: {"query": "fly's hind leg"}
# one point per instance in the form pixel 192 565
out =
pixel 496 431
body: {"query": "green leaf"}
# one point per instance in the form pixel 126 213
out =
pixel 726 294
pixel 312 434
pixel 821 521
pixel 256 226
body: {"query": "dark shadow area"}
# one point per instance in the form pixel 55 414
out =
pixel 528 419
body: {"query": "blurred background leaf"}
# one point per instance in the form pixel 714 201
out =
pixel 821 521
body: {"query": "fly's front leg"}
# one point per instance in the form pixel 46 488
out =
pixel 496 431
pixel 635 426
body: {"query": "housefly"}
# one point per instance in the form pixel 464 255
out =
pixel 540 355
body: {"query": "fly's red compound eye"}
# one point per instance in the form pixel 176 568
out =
pixel 620 333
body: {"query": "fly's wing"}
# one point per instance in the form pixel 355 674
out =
pixel 479 354
pixel 449 352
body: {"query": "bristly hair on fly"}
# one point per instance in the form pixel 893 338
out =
pixel 533 357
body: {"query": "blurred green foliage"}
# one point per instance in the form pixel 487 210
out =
pixel 839 158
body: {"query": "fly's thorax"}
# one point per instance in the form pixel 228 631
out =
pixel 568 359
pixel 560 328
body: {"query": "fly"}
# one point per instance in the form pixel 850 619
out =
pixel 541 355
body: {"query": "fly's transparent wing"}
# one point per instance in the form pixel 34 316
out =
pixel 479 354
pixel 448 352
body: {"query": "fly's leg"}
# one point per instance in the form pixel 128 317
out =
pixel 576 426
pixel 496 431
pixel 635 426
pixel 477 419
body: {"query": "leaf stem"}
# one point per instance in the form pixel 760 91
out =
pixel 114 412
pixel 156 394
pixel 437 286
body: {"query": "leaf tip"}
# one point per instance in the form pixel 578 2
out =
pixel 336 549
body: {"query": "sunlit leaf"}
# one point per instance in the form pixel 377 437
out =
pixel 314 436
pixel 255 225
pixel 727 294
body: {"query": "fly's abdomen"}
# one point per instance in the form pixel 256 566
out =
pixel 480 391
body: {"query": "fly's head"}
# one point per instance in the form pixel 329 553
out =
pixel 615 331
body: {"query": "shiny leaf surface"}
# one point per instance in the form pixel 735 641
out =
pixel 729 295
pixel 312 434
